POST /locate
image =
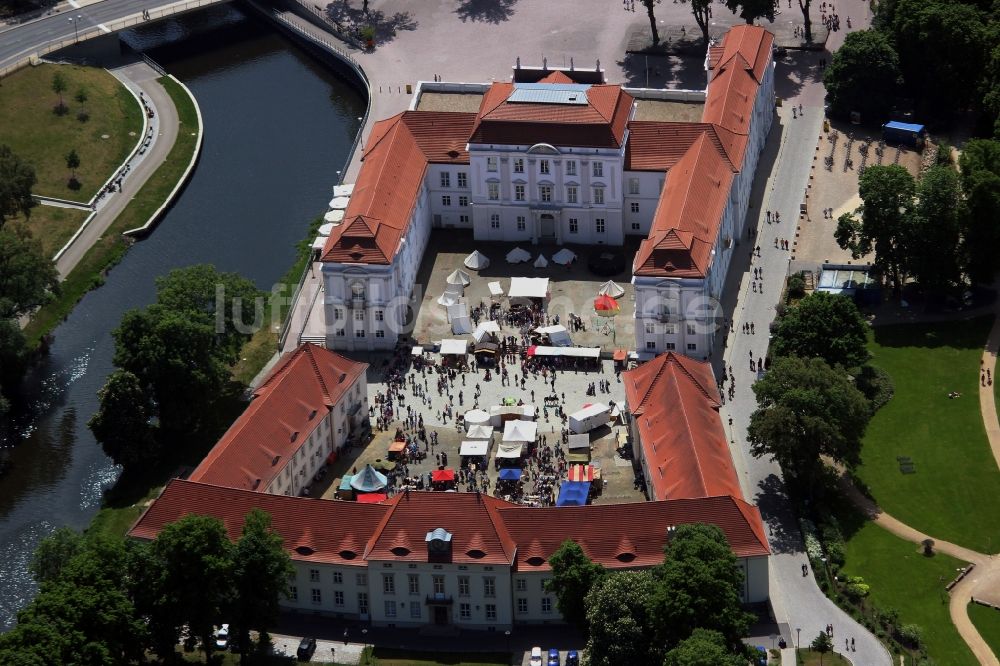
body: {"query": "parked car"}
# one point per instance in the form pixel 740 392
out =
pixel 572 658
pixel 222 637
pixel 536 657
pixel 761 656
pixel 306 649
pixel 553 657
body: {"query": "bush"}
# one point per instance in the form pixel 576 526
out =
pixel 876 384
pixel 944 154
pixel 856 588
pixel 83 116
pixel 796 286
pixel 835 551
pixel 910 634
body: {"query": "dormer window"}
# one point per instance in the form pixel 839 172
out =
pixel 438 544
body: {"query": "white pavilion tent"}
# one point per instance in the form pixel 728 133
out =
pixel 564 256
pixel 520 431
pixel 480 432
pixel 476 261
pixel 459 277
pixel 518 256
pixel 611 289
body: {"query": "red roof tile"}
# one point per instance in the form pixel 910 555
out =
pixel 753 43
pixel 555 77
pixel 658 146
pixel 675 405
pixel 330 531
pixel 305 385
pixel 598 124
pixel 731 96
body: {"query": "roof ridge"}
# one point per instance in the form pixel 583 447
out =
pixel 307 350
pixel 693 379
pixel 391 504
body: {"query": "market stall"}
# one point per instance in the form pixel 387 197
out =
pixel 590 417
pixel 573 493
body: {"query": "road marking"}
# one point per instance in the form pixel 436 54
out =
pixel 104 27
pixel 74 4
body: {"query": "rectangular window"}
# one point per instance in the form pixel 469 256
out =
pixel 521 223
pixel 650 344
pixel 359 315
pixel 361 579
pixel 692 346
pixel 522 605
pixel 414 583
pixel 463 179
pixel 317 596
pixel 521 584
pixel 388 584
pixel 445 179
pixel 570 167
pixel 463 586
pixel 543 166
pixel 363 603
pixel 390 608
pixel 491 164
pixel 598 195
pixel 546 605
pixel 378 334
pixel 338 578
pixel 491 611
pixel 489 586
pixel 650 329
pixel 495 221
pixel 599 225
pixel 463 201
pixel 545 192
pixel 519 165
pixel 360 333
pixel 379 316
pixel 341 332
pixel 438 584
pixel 414 611
pixel 446 200
pixel 635 206
pixel 338 313
pixel 572 194
pixel 635 226
pixel 338 598
pixel 519 193
pixel 463 219
pixel 670 329
pixel 542 583
pixel 314 575
pixel 465 611
pixel 574 225
pixel 633 186
pixel 690 329
pixel 598 169
pixel 669 346
pixel 293 593
pixel 493 191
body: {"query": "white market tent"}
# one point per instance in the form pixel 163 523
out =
pixel 522 412
pixel 564 256
pixel 459 277
pixel 522 287
pixel 589 417
pixel 541 261
pixel 452 347
pixel 447 299
pixel 578 352
pixel 480 432
pixel 476 261
pixel 520 431
pixel 510 450
pixel 343 190
pixel 461 325
pixel 488 326
pixel 558 335
pixel 476 417
pixel 578 442
pixel 474 448
pixel 518 256
pixel 417 350
pixel 457 311
pixel 495 288
pixel 454 289
pixel 339 203
pixel 611 289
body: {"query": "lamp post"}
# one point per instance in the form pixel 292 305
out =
pixel 76 29
pixel 798 630
pixel 507 634
pixel 364 640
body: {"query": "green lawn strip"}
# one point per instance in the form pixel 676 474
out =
pixel 230 659
pixel 393 657
pixel 53 226
pixel 109 250
pixel 902 578
pixel 806 657
pixel 954 493
pixel 33 131
pixel 987 621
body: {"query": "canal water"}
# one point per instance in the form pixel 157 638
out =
pixel 278 127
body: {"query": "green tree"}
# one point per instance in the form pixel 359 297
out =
pixel 17 177
pixel 122 421
pixel 262 568
pixel 806 409
pixel 81 96
pixel 822 644
pixel 823 326
pixel 650 6
pixel 573 575
pixel 863 76
pixel 698 586
pixel 59 87
pixel 980 168
pixel 27 277
pixel 12 360
pixel 53 553
pixel 72 163
pixel 704 647
pixel 621 627
pixel 887 195
pixel 938 220
pixel 194 558
pixel 751 10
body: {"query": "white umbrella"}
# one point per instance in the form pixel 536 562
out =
pixel 326 229
pixel 564 256
pixel 459 277
pixel 476 261
pixel 611 289
pixel 518 255
pixel 339 202
pixel 343 190
pixel 334 216
pixel 541 262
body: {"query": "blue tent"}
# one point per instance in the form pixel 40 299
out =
pixel 510 474
pixel 368 480
pixel 573 493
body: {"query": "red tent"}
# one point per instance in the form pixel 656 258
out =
pixel 532 349
pixel 372 498
pixel 604 304
pixel 581 473
pixel 443 475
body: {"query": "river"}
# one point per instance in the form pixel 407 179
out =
pixel 278 127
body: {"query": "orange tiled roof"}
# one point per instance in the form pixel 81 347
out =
pixel 753 43
pixel 556 77
pixel 351 533
pixel 305 385
pixel 658 146
pixel 675 404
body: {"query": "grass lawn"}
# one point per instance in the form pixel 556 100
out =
pixel 902 578
pixel 108 251
pixel 955 492
pixel 987 621
pixel 53 226
pixel 810 658
pixel 34 131
pixel 390 657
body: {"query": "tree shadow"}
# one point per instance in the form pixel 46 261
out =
pixel 966 333
pixel 485 11
pixel 351 21
pixel 795 70
pixel 776 511
pixel 664 71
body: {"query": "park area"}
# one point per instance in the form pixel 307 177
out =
pixel 53 226
pixel 31 127
pixel 926 458
pixel 987 621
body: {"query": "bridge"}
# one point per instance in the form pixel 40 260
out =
pixel 21 43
